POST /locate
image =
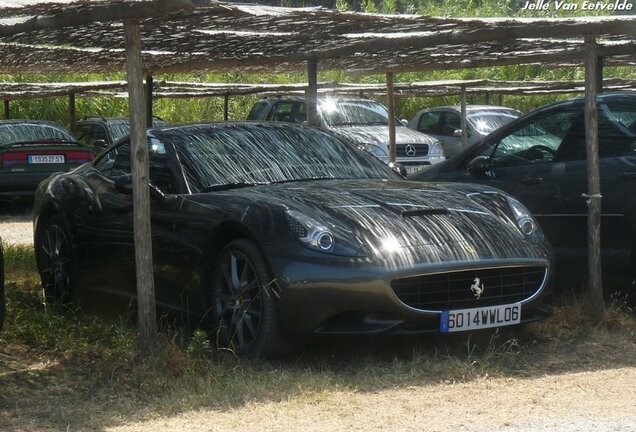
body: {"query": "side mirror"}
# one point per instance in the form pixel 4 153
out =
pixel 404 122
pixel 457 133
pixel 123 184
pixel 479 166
pixel 398 168
pixel 100 143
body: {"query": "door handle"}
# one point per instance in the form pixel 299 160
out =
pixel 532 180
pixel 627 175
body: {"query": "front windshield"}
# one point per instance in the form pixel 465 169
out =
pixel 257 154
pixel 486 122
pixel 32 132
pixel 352 112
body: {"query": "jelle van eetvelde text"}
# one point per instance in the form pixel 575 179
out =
pixel 587 5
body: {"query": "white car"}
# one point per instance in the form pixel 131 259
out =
pixel 444 123
pixel 361 121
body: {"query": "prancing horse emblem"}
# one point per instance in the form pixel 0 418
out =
pixel 477 288
pixel 410 150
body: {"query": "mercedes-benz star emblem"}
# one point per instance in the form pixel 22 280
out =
pixel 410 150
pixel 477 288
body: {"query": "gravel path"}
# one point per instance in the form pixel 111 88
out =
pixel 601 401
pixel 16 229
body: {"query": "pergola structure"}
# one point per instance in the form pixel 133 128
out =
pixel 150 37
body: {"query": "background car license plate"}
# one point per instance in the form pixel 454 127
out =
pixel 414 168
pixel 480 318
pixel 46 159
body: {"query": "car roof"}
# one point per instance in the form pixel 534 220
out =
pixel 324 96
pixel 29 121
pixel 471 108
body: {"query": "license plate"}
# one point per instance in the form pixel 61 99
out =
pixel 411 169
pixel 480 318
pixel 46 159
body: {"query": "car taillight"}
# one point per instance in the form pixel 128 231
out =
pixel 79 157
pixel 12 158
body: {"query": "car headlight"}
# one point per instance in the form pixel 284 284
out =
pixel 436 149
pixel 318 236
pixel 525 222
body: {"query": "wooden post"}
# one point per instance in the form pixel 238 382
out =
pixel 390 99
pixel 311 94
pixel 226 107
pixel 149 98
pixel 71 112
pixel 487 98
pixel 141 193
pixel 599 74
pixel 7 110
pixel 464 125
pixel 595 282
pixel 500 99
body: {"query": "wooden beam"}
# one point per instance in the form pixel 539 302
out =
pixel 500 31
pixel 109 11
pixel 464 124
pixel 146 308
pixel 7 110
pixel 593 196
pixel 226 107
pixel 71 112
pixel 599 74
pixel 390 99
pixel 311 94
pixel 149 100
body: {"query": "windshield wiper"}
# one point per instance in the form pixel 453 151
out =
pixel 228 186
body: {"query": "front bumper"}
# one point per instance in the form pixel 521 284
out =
pixel 338 295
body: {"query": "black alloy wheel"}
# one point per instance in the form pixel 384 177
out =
pixel 55 261
pixel 244 298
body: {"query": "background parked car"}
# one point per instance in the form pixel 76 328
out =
pixel 444 123
pixel 361 121
pixel 541 159
pixel 279 229
pixel 31 150
pixel 101 132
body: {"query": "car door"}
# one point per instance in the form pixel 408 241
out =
pixel 176 258
pixel 104 225
pixel 451 123
pixel 617 164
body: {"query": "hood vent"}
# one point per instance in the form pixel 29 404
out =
pixel 424 212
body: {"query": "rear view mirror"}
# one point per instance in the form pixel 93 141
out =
pixel 479 166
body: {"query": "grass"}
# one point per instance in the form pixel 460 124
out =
pixel 60 368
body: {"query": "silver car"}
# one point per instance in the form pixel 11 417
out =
pixel 444 123
pixel 359 120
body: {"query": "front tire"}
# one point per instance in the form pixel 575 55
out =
pixel 244 299
pixel 54 256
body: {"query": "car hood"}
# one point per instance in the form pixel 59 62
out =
pixel 380 135
pixel 404 221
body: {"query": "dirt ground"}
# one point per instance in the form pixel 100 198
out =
pixel 600 401
pixel 16 226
